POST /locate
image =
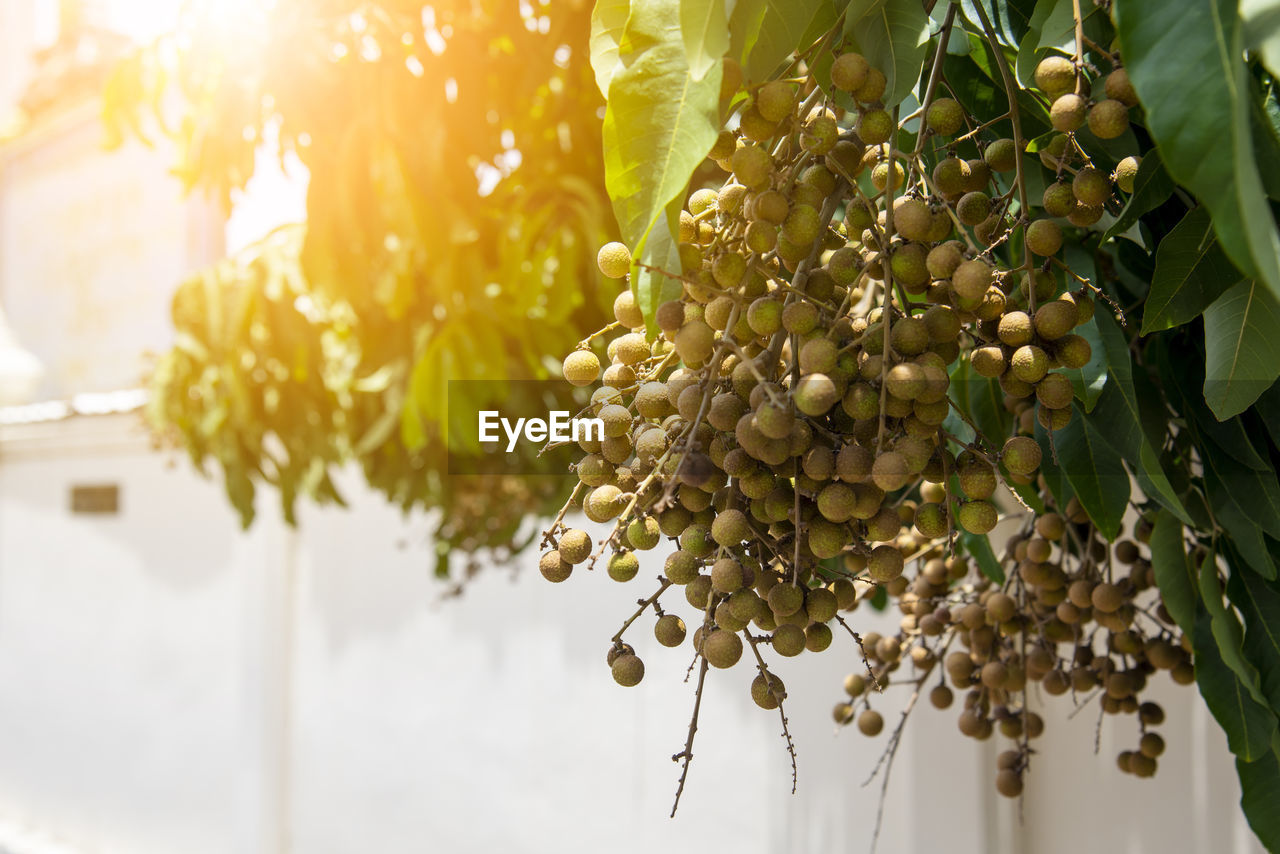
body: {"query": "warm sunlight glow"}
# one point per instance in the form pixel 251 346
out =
pixel 146 19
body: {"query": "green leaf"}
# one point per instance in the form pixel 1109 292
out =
pixel 1256 494
pixel 1191 272
pixel 1201 121
pixel 652 286
pixel 778 33
pixel 981 398
pixel 1260 796
pixel 1259 603
pixel 1152 187
pixel 894 37
pixel 979 547
pixel 1052 25
pixel 1096 473
pixel 705 29
pixel 608 20
pixel 1011 19
pixel 660 122
pixel 1242 348
pixel 1249 725
pixel 1173 571
pixel 1227 631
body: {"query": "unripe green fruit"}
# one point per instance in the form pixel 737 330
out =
pixel 819 135
pixel 943 260
pixel 681 567
pixel 623 566
pixel 880 175
pixel 817 637
pixel 837 502
pixel 951 175
pixel 1054 391
pixel 669 630
pixel 694 342
pixel 818 356
pixel 603 503
pixel 1044 237
pixel 1058 199
pixel 643 534
pixel 884 564
pixel 752 165
pixel 1091 186
pixel 1073 351
pixel 766 693
pixel 912 219
pixel 1127 173
pixel 575 546
pixel 1029 363
pixel 815 394
pixel 553 567
pixel 785 599
pixel 1021 455
pixel 875 127
pixel 1118 88
pixel 627 670
pixel 730 528
pixel 760 237
pixel 1015 329
pixel 1055 76
pixel 1055 319
pixel 872 89
pixel 755 127
pixel 931 520
pixel 973 208
pixel 945 116
pixel 728 269
pixel 1001 155
pixel 849 72
pixel 788 640
pixel 582 367
pixel 1068 113
pixel 776 100
pixel 802 225
pixel 722 649
pixel 908 266
pixel 971 279
pixel 614 260
pixel 1108 119
pixel 1083 216
pixel 800 318
pixel 977 517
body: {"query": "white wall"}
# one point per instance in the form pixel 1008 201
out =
pixel 169 684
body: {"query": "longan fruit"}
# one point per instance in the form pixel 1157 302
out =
pixel 775 100
pixel 870 723
pixel 1001 155
pixel 766 693
pixel 627 670
pixel 722 649
pixel 582 367
pixel 669 630
pixel 1068 113
pixel 1108 119
pixel 1127 172
pixel 945 116
pixel 788 640
pixel 614 260
pixel 1044 237
pixel 977 517
pixel 849 72
pixel 623 566
pixel 553 567
pixel 1118 87
pixel 1055 76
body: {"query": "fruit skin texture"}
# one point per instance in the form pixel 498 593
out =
pixel 614 260
pixel 627 670
pixel 582 367
pixel 1055 76
pixel 945 116
pixel 1108 119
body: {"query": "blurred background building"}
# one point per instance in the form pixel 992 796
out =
pixel 170 684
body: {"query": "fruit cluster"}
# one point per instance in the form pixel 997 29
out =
pixel 790 425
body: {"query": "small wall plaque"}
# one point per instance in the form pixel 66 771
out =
pixel 97 499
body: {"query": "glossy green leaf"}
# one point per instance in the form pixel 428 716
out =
pixel 705 30
pixel 1255 493
pixel 772 30
pixel 660 122
pixel 1201 121
pixel 608 20
pixel 1225 626
pixel 1259 603
pixel 1011 19
pixel 1152 187
pixel 1192 271
pixel 1174 577
pixel 1096 473
pixel 1052 25
pixel 1242 344
pixel 1260 796
pixel 1249 725
pixel 894 37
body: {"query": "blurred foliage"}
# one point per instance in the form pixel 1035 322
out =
pixel 455 201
